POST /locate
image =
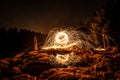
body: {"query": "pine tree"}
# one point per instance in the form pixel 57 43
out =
pixel 99 28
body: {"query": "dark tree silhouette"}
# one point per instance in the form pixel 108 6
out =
pixel 113 14
pixel 13 41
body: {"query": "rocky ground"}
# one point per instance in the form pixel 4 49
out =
pixel 35 65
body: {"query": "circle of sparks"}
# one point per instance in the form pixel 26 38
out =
pixel 61 38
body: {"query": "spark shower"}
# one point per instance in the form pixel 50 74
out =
pixel 65 39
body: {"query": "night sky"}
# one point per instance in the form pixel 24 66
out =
pixel 42 15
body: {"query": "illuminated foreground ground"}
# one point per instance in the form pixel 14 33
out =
pixel 33 65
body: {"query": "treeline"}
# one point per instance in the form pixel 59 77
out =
pixel 13 41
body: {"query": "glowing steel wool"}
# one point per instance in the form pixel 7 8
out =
pixel 61 39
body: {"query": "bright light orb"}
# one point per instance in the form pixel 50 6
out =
pixel 61 38
pixel 62 58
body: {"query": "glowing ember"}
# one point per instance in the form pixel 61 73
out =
pixel 100 49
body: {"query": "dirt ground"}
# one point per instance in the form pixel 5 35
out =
pixel 36 65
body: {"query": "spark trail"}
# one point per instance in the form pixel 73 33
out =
pixel 67 39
